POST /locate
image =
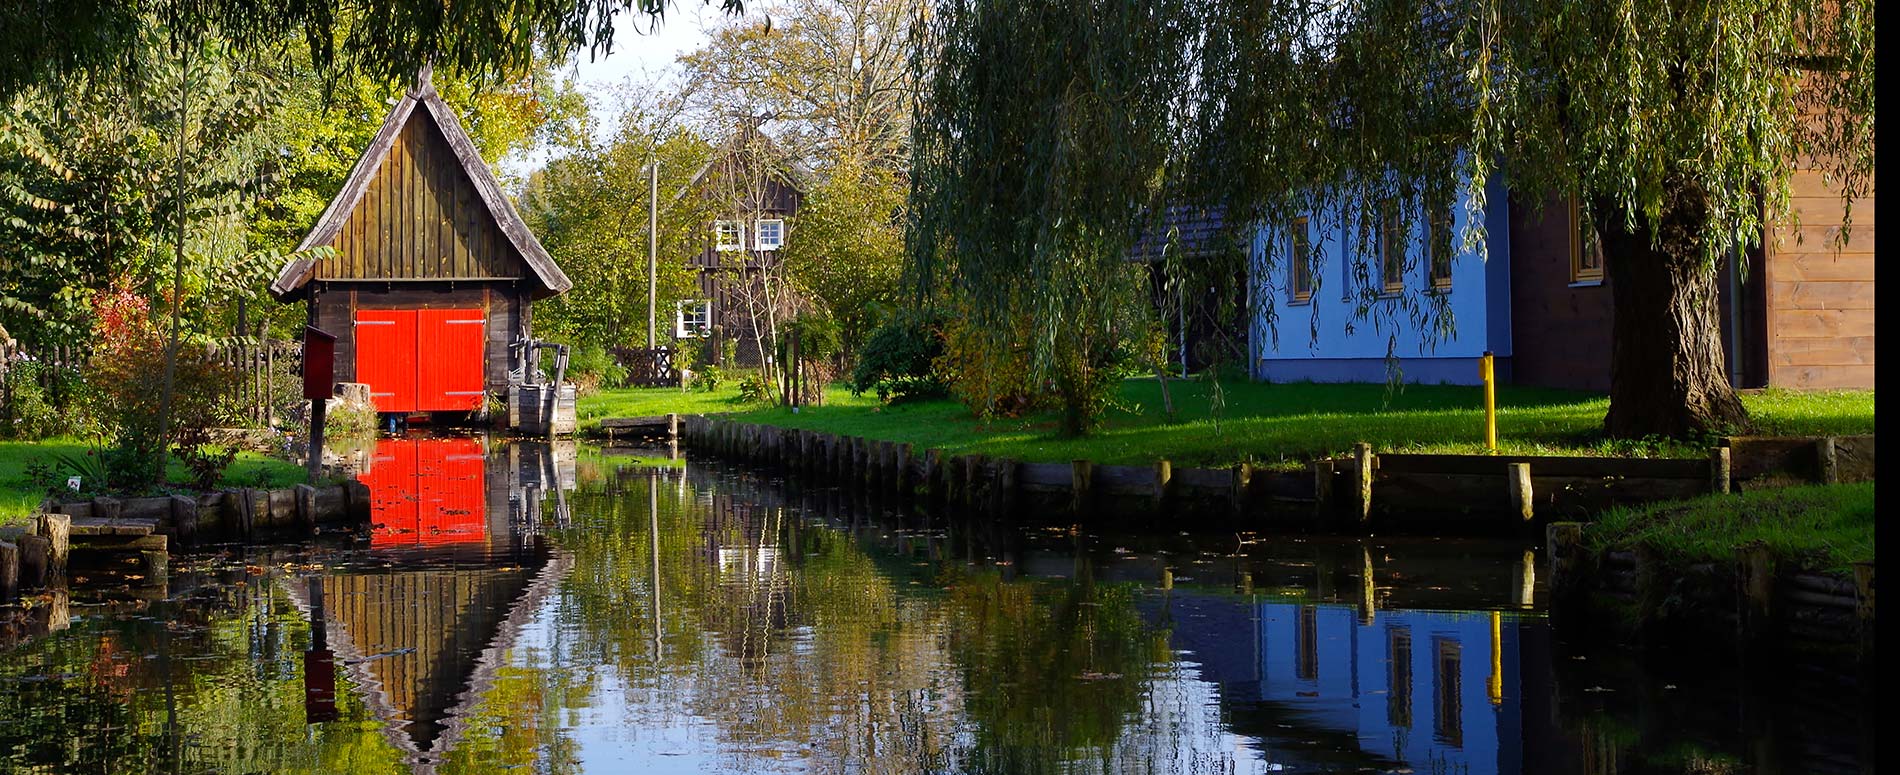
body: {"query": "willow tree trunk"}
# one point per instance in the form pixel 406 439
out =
pixel 1667 376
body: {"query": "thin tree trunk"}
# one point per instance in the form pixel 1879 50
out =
pixel 1666 368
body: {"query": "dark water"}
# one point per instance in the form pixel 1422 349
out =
pixel 542 610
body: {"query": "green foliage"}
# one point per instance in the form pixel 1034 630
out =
pixel 847 252
pixel 31 410
pixel 591 368
pixel 1040 141
pixel 898 361
pixel 753 389
pixel 817 337
pixel 707 378
pixel 589 208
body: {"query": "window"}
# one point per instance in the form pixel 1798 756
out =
pixel 1392 249
pixel 692 318
pixel 1448 692
pixel 1438 241
pixel 728 235
pixel 1586 253
pixel 1299 264
pixel 771 233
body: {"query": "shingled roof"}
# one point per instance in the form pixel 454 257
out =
pixel 1185 228
pixel 300 271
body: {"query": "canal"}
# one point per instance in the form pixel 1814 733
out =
pixel 523 607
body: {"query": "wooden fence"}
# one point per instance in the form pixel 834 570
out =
pixel 649 366
pixel 1367 490
pixel 268 374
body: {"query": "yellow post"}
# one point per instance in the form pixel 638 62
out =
pixel 1496 686
pixel 1485 370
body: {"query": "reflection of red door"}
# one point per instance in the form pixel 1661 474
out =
pixel 386 357
pixel 449 360
pixel 426 360
pixel 427 492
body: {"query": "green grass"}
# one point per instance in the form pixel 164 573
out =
pixel 18 496
pixel 649 402
pixel 1822 527
pixel 1265 424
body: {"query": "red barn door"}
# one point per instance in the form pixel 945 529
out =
pixel 449 361
pixel 386 357
pixel 426 360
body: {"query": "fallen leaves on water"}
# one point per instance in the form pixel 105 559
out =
pixel 254 570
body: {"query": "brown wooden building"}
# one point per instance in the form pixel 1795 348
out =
pixel 758 191
pixel 429 285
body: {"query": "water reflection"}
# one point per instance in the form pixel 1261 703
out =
pixel 664 617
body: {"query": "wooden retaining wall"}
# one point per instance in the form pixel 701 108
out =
pixel 136 535
pixel 1366 490
pixel 1770 607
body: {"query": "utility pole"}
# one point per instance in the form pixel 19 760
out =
pixel 653 247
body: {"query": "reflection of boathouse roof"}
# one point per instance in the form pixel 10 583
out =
pixel 423 645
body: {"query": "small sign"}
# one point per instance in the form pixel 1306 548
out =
pixel 72 483
pixel 319 363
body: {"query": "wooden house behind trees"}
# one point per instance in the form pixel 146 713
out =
pixel 429 286
pixel 757 189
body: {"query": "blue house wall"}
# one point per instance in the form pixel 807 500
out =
pixel 1327 339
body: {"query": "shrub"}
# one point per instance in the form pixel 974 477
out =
pixel 127 370
pixel 990 375
pixel 591 368
pixel 899 359
pixel 754 389
pixel 30 414
pixel 707 379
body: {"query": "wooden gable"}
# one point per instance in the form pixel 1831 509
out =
pixel 422 205
pixel 420 218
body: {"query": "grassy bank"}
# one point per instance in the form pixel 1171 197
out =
pixel 1818 527
pixel 18 495
pixel 1272 425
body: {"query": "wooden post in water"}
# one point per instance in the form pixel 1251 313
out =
pixel 57 528
pixel 184 512
pixel 9 570
pixel 1755 591
pixel 306 508
pixel 1007 472
pixel 1164 476
pixel 1242 483
pixel 1564 546
pixel 932 478
pixel 1081 484
pixel 1362 456
pixel 903 481
pixel 1322 487
pixel 1864 610
pixel 1719 469
pixel 1829 463
pixel 974 467
pixel 34 550
pixel 1522 500
pixel 1368 588
pixel 1527 580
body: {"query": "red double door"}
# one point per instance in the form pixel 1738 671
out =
pixel 422 360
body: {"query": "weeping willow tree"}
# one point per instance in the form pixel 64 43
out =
pixel 1040 140
pixel 1677 125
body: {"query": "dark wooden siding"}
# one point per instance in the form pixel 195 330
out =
pixel 420 219
pixel 333 309
pixel 1560 332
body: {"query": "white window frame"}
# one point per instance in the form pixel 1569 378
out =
pixel 721 229
pixel 758 232
pixel 702 324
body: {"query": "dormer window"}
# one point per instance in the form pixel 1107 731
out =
pixel 728 235
pixel 771 233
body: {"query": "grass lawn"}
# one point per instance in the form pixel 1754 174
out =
pixel 1820 527
pixel 18 496
pixel 1266 424
pixel 649 402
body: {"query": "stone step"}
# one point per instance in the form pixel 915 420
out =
pixel 95 526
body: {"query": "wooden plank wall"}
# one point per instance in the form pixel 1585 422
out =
pixel 420 218
pixel 1821 292
pixel 333 309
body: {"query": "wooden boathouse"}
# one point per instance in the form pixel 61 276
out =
pixel 429 284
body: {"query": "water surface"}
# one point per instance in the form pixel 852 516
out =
pixel 527 608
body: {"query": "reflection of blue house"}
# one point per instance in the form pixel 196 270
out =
pixel 1329 264
pixel 1439 691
